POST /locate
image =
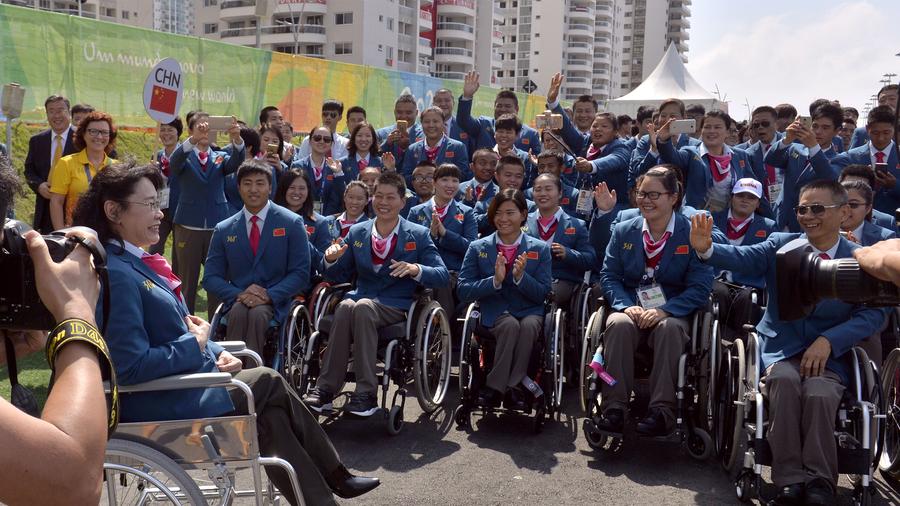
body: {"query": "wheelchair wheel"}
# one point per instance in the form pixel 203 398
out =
pixel 395 421
pixel 297 330
pixel 590 343
pixel 432 357
pixel 555 360
pixel 465 372
pixel 889 463
pixel 137 474
pixel 603 442
pixel 729 407
pixel 703 368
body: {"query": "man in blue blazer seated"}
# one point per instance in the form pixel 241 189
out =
pixel 482 185
pixel 201 173
pixel 806 361
pixel 452 226
pixel 879 152
pixel 389 257
pixel 802 156
pixel 436 147
pixel 258 260
pixel 422 184
pixel 481 129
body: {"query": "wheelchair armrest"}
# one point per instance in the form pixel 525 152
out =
pixel 341 286
pixel 232 346
pixel 179 382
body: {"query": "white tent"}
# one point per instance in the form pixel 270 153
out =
pixel 670 79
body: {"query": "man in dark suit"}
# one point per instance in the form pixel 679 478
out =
pixel 44 149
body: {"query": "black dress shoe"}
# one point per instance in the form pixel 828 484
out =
pixel 790 495
pixel 348 486
pixel 654 424
pixel 516 399
pixel 612 420
pixel 489 398
pixel 819 492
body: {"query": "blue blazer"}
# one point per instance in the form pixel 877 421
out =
pixel 492 189
pixel 476 280
pixel 318 190
pixel 485 227
pixel 887 200
pixel 394 149
pixel 842 324
pixel 612 167
pixel 695 169
pixel 328 230
pixel 281 264
pixel 568 201
pixel 171 183
pixel 684 279
pixel 860 138
pixel 642 160
pixel 314 227
pixel 884 220
pixel 873 233
pixel 757 155
pixel 414 245
pixel 573 235
pixel 201 198
pixel 577 141
pixel 333 186
pixel 798 169
pixel 350 166
pixel 451 151
pixel 148 339
pixel 481 130
pixel 459 222
pixel 758 231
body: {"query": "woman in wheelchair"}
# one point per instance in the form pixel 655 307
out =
pixel 389 257
pixel 509 274
pixel 654 283
pixel 151 335
pixel 335 227
pixel 293 194
pixel 567 237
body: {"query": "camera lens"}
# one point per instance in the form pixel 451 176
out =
pixel 843 279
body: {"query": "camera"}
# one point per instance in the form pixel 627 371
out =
pixel 20 306
pixel 803 279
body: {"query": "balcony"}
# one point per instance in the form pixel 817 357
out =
pixel 680 7
pixel 497 38
pixel 456 8
pixel 579 48
pixel 582 14
pixel 453 55
pixel 236 9
pixel 456 31
pixel 579 65
pixel 679 21
pixel 426 21
pixel 279 34
pixel 580 30
pixel 295 6
pixel 459 76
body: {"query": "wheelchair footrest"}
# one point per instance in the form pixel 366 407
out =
pixel 854 460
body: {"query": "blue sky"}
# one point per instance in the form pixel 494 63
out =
pixel 768 51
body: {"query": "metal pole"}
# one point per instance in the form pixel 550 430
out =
pixel 9 150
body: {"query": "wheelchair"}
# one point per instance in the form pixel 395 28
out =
pixel 858 428
pixel 417 349
pixel 545 366
pixel 693 421
pixel 148 462
pixel 889 463
pixel 577 313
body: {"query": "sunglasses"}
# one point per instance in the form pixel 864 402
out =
pixel 761 124
pixel 329 114
pixel 322 138
pixel 816 209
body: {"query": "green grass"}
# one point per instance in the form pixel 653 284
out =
pixel 34 372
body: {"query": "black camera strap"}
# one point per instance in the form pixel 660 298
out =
pixel 20 396
pixel 99 255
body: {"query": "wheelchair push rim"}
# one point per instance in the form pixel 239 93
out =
pixel 889 462
pixel 298 332
pixel 433 355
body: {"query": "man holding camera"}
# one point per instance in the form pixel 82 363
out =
pixel 57 459
pixel 805 360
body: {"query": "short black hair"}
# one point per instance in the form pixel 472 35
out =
pixel 858 170
pixel 764 109
pixel 888 87
pixel 82 109
pixel 356 109
pixel 552 153
pixel 193 117
pixel 623 119
pixel 264 114
pixel 54 98
pixel 510 160
pixel 251 140
pixel 507 94
pixel 819 102
pixel 837 191
pixel 392 179
pixel 644 113
pixel 177 125
pixel 830 111
pixel 448 170
pixel 785 111
pixel 251 167
pixel 586 99
pixel 508 122
pixel 722 115
pixel 881 114
pixel 696 109
pixel 333 105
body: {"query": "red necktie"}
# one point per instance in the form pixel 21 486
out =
pixel 879 157
pixel 653 250
pixel 164 165
pixel 719 166
pixel 203 156
pixel 158 264
pixel 824 256
pixel 478 190
pixel 254 234
pixel 770 170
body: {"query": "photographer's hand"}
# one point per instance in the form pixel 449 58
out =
pixel 881 260
pixel 69 288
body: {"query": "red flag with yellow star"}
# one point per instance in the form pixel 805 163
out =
pixel 163 100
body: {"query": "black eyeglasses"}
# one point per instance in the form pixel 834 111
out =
pixel 649 195
pixel 322 138
pixel 816 209
pixel 761 124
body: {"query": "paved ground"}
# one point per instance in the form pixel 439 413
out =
pixel 502 461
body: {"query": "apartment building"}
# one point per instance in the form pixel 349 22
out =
pixel 604 47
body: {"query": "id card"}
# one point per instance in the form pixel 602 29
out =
pixel 317 206
pixel 775 191
pixel 585 202
pixel 651 296
pixel 163 198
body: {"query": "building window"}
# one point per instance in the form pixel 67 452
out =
pixel 210 28
pixel 124 14
pixel 343 48
pixel 343 18
pixel 210 3
pixel 44 4
pixel 390 24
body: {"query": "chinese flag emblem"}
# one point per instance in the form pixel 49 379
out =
pixel 163 100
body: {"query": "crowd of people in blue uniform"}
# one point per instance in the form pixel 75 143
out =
pixel 489 209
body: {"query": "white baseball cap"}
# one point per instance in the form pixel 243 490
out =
pixel 748 185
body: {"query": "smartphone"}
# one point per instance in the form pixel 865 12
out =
pixel 548 121
pixel 219 123
pixel 402 125
pixel 272 149
pixel 806 121
pixel 881 167
pixel 683 126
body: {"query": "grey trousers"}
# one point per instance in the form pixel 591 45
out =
pixel 190 250
pixel 515 339
pixel 802 412
pixel 288 430
pixel 355 325
pixel 562 292
pixel 621 339
pixel 249 325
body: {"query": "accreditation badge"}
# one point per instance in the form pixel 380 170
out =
pixel 651 296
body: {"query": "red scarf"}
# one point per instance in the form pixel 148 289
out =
pixel 594 152
pixel 382 248
pixel 345 226
pixel 547 227
pixel 432 153
pixel 719 166
pixel 164 164
pixel 653 250
pixel 158 264
pixel 203 156
pixel 362 163
pixel 317 171
pixel 736 228
pixel 441 211
pixel 509 252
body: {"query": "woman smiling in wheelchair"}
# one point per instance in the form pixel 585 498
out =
pixel 653 283
pixel 509 273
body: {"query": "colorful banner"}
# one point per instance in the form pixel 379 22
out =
pixel 105 64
